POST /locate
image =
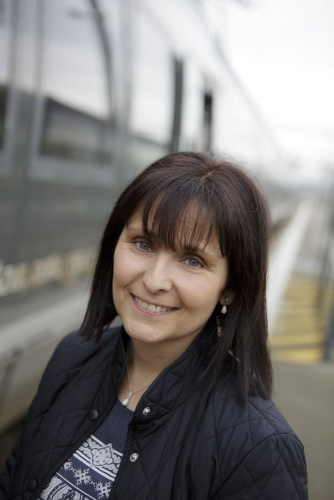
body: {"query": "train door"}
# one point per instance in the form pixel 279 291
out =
pixel 153 68
pixel 5 22
pixel 17 46
pixel 178 104
pixel 62 126
pixel 207 103
pixel 61 104
pixel 17 53
pixel 197 116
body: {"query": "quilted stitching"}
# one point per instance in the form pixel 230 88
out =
pixel 189 446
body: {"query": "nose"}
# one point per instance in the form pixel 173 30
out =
pixel 158 274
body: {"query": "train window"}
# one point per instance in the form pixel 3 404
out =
pixel 207 121
pixel 178 104
pixel 76 82
pixel 152 83
pixel 192 116
pixel 69 133
pixel 4 41
pixel 3 98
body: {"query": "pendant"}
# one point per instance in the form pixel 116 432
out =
pixel 125 402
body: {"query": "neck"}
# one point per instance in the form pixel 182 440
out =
pixel 146 361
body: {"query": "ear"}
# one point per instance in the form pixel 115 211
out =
pixel 227 298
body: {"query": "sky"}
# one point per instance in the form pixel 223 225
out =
pixel 283 52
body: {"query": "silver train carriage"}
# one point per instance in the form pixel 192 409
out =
pixel 91 91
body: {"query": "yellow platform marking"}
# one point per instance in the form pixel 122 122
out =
pixel 306 356
pixel 300 328
pixel 295 339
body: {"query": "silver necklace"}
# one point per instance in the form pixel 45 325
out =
pixel 126 401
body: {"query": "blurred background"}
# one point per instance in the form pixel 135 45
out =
pixel 92 91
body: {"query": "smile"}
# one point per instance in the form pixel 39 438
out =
pixel 152 307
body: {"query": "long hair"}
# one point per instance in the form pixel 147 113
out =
pixel 228 204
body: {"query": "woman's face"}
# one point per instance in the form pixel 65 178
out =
pixel 162 295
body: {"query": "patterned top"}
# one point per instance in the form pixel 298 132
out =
pixel 90 472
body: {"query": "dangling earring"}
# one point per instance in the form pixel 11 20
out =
pixel 224 308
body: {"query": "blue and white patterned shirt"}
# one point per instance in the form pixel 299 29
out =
pixel 90 472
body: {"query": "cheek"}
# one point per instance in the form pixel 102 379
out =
pixel 121 274
pixel 208 293
pixel 119 268
pixel 125 267
pixel 120 280
pixel 201 294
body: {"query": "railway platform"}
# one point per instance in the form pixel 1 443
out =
pixel 304 382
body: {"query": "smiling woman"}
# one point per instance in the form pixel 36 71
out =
pixel 164 295
pixel 175 404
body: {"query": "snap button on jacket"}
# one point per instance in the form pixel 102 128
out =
pixel 188 446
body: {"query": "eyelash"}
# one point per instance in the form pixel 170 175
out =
pixel 196 260
pixel 138 243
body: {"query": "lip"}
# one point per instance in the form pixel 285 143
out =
pixel 137 304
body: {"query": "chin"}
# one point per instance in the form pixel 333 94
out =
pixel 143 333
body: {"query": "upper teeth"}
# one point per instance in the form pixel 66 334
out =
pixel 151 307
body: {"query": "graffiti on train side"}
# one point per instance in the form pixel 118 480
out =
pixel 63 268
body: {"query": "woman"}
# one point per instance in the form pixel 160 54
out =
pixel 174 404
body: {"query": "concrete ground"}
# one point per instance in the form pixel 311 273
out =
pixel 304 384
pixel 305 396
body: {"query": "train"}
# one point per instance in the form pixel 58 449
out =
pixel 92 91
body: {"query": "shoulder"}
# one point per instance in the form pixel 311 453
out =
pixel 74 347
pixel 256 449
pixel 75 357
pixel 73 361
pixel 259 418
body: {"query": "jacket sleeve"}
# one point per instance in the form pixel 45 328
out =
pixel 7 476
pixel 274 469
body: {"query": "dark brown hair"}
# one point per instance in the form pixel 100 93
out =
pixel 222 200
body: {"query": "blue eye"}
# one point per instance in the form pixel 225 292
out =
pixel 142 245
pixel 193 262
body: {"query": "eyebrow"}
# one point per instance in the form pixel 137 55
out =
pixel 196 248
pixel 138 229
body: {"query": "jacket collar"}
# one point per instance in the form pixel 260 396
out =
pixel 176 382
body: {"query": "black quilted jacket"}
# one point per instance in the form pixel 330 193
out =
pixel 188 446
